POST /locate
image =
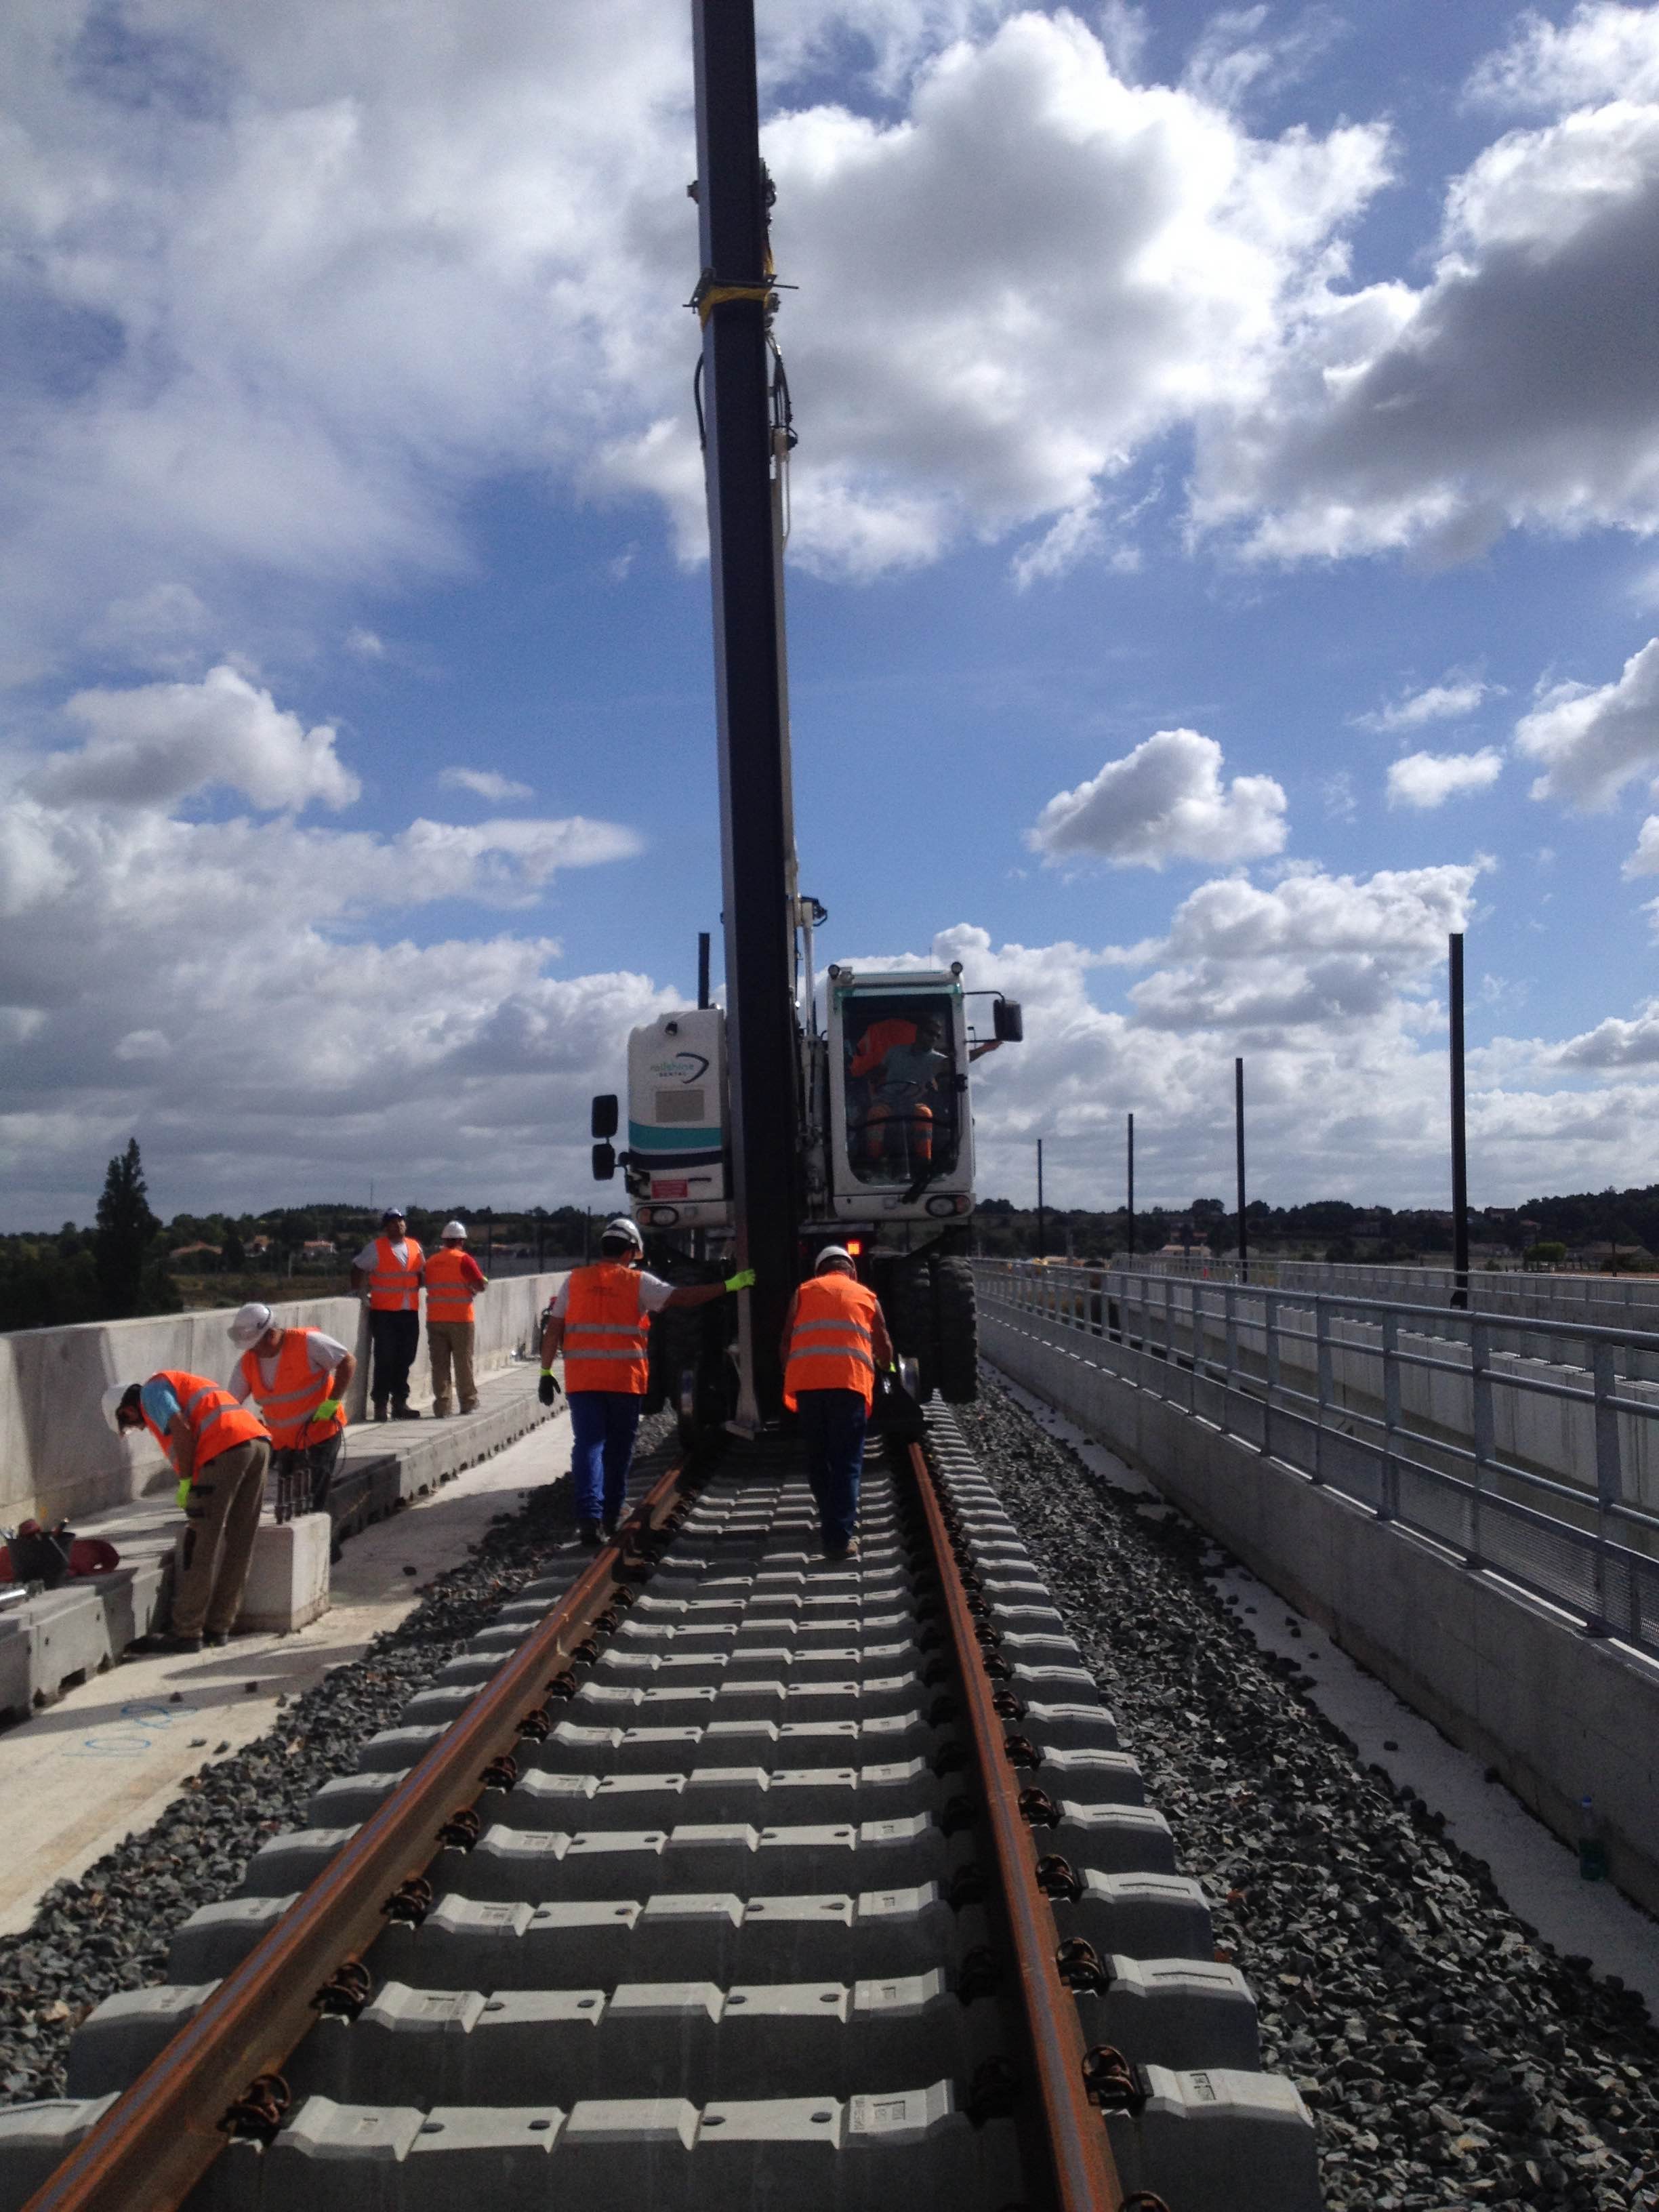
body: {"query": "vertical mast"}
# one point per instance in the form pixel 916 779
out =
pixel 757 854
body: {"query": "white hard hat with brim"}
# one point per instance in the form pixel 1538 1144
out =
pixel 250 1324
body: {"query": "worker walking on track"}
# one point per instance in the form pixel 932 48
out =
pixel 453 1279
pixel 298 1379
pixel 602 1317
pixel 390 1270
pixel 220 1452
pixel 834 1339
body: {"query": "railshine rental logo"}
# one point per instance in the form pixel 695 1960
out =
pixel 684 1067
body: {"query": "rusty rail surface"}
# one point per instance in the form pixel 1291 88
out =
pixel 157 2140
pixel 1074 2134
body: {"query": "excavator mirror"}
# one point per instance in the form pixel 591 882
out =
pixel 604 1120
pixel 1010 1022
pixel 605 1162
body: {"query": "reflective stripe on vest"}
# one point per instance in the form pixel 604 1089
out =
pixel 288 1402
pixel 216 1423
pixel 449 1293
pixel 392 1289
pixel 606 1333
pixel 829 1344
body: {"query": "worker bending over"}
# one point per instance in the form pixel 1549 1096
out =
pixel 220 1452
pixel 834 1339
pixel 602 1318
pixel 298 1379
pixel 390 1270
pixel 453 1279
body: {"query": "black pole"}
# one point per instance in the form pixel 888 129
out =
pixel 1459 1132
pixel 1131 1209
pixel 736 396
pixel 1042 1218
pixel 1238 1121
pixel 703 967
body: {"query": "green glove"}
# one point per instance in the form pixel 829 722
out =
pixel 327 1410
pixel 184 1494
pixel 742 1280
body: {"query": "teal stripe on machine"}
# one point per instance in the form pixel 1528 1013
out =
pixel 641 1138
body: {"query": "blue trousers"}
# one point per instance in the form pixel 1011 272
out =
pixel 832 1424
pixel 604 1424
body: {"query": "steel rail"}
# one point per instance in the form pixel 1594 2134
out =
pixel 1074 2133
pixel 159 2138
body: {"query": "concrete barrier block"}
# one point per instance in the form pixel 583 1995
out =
pixel 288 1579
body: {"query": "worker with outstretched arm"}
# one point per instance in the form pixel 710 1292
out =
pixel 298 1379
pixel 835 1341
pixel 220 1452
pixel 601 1319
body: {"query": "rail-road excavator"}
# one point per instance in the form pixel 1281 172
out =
pixel 758 1131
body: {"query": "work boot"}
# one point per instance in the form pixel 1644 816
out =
pixel 380 1413
pixel 216 1639
pixel 837 1552
pixel 405 1412
pixel 171 1643
pixel 590 1532
pixel 472 1408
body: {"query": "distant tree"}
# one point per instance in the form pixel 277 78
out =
pixel 126 1231
pixel 235 1252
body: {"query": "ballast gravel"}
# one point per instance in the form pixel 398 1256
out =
pixel 1452 2057
pixel 110 1929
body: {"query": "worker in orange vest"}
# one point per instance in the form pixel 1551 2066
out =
pixel 298 1379
pixel 453 1279
pixel 834 1340
pixel 390 1271
pixel 602 1319
pixel 220 1453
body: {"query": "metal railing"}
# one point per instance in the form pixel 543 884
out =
pixel 1545 1473
pixel 1605 1301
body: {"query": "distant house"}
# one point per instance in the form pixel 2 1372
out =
pixel 258 1245
pixel 196 1255
pixel 317 1248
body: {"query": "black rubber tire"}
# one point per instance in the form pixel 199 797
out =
pixel 907 1300
pixel 955 1331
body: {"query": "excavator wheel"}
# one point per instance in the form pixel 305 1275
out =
pixel 955 1331
pixel 907 1300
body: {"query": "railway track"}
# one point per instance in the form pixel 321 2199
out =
pixel 716 1876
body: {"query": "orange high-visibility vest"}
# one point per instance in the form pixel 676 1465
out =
pixel 288 1402
pixel 448 1294
pixel 831 1344
pixel 216 1423
pixel 604 1330
pixel 392 1289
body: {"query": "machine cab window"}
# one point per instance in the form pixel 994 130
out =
pixel 902 1090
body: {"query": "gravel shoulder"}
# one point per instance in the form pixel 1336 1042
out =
pixel 1452 2057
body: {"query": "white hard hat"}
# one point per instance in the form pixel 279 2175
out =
pixel 834 1252
pixel 622 1228
pixel 110 1402
pixel 249 1325
pixel 452 1228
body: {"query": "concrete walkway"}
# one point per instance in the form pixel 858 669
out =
pixel 109 1756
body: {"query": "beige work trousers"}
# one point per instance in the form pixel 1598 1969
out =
pixel 447 1341
pixel 221 1517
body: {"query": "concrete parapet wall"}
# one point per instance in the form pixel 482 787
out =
pixel 58 1458
pixel 1558 1714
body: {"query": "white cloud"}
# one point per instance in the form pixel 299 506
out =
pixel 486 783
pixel 1595 739
pixel 1439 702
pixel 1425 780
pixel 161 742
pixel 237 991
pixel 1604 51
pixel 1164 801
pixel 365 643
pixel 1518 387
pixel 1615 1043
pixel 164 628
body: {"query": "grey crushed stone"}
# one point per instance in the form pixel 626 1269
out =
pixel 1452 2057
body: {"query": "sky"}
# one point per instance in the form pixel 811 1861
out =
pixel 1222 561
